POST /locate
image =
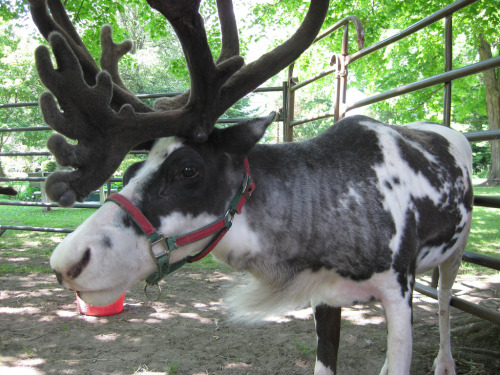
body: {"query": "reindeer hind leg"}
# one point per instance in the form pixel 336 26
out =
pixel 448 270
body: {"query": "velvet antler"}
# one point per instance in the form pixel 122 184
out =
pixel 108 120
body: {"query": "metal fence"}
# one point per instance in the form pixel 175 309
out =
pixel 341 106
pixel 340 66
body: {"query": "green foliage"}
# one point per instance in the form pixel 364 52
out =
pixel 128 161
pixel 157 64
pixel 49 166
pixel 13 9
pixel 24 191
pixel 18 83
pixel 484 233
pixel 411 59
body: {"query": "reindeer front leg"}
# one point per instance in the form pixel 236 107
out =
pixel 327 320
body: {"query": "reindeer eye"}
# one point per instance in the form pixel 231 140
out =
pixel 189 172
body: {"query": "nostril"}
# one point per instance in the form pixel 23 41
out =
pixel 59 277
pixel 77 269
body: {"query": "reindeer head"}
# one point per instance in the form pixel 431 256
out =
pixel 107 253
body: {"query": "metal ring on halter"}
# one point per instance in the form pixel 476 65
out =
pixel 148 294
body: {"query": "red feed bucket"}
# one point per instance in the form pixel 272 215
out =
pixel 112 309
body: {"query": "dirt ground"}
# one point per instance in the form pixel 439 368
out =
pixel 188 332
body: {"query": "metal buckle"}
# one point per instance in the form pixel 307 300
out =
pixel 163 241
pixel 160 264
pixel 246 184
pixel 229 216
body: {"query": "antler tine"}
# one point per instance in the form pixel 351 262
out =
pixel 46 24
pixel 252 75
pixel 111 53
pixel 60 22
pixel 230 48
pixel 229 30
pixel 206 77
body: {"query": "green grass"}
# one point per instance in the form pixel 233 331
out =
pixel 485 231
pixel 306 350
pixel 26 252
pixel 37 217
pixel 172 368
pixel 23 252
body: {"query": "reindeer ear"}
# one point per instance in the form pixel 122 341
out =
pixel 240 138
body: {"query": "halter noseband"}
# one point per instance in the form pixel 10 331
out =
pixel 218 228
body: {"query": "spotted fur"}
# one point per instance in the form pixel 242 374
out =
pixel 347 217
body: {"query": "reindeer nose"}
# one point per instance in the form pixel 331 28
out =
pixel 59 277
pixel 77 268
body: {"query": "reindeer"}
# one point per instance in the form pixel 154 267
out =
pixel 350 216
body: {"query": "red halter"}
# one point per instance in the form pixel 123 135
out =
pixel 219 227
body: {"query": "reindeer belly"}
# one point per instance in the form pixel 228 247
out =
pixel 257 299
pixel 329 287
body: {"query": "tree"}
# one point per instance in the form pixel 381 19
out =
pixel 492 86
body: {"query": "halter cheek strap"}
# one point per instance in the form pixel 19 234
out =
pixel 218 228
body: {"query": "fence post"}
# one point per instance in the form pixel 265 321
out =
pixel 290 107
pixel 102 195
pixel 448 65
pixel 341 61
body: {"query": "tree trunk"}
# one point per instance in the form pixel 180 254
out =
pixel 492 88
pixel 2 172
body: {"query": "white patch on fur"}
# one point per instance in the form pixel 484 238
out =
pixel 160 151
pixel 111 270
pixel 163 148
pixel 459 145
pixel 321 369
pixel 239 243
pixel 398 197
